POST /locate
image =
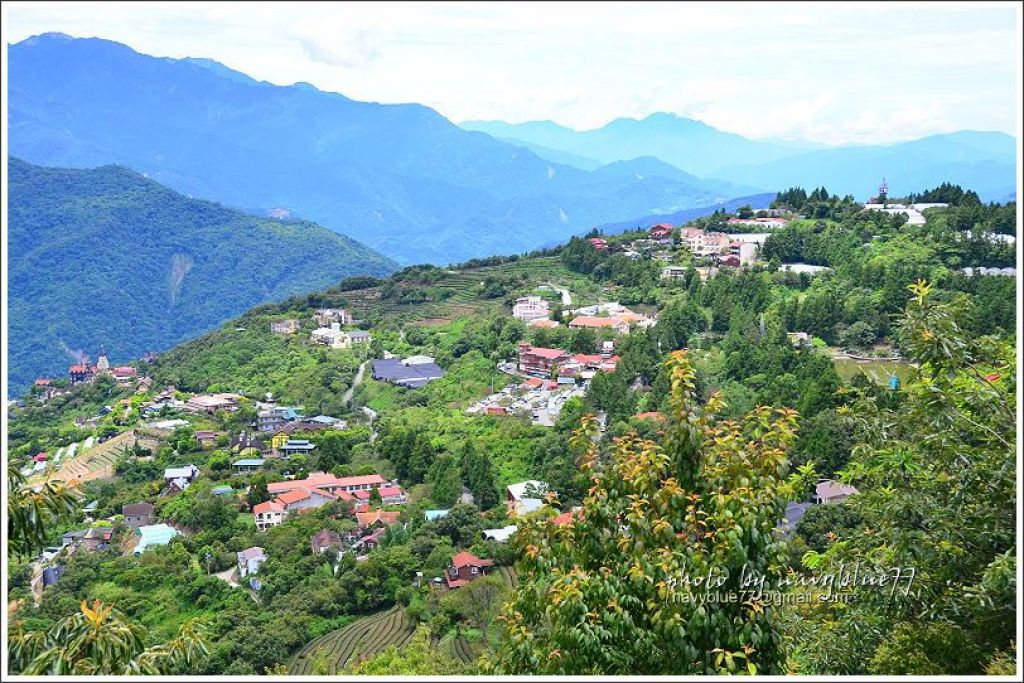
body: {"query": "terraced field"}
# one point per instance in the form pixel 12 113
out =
pixel 357 641
pixel 94 463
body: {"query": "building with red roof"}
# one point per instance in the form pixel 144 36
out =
pixel 599 243
pixel 268 514
pixel 537 360
pixel 464 568
pixel 661 231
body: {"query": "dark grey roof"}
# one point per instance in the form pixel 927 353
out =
pixel 416 375
pixel 794 513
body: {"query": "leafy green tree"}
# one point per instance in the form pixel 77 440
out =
pixel 603 594
pixel 937 485
pixel 258 491
pixel 478 476
pixel 859 335
pixel 445 481
pixel 32 513
pixel 99 640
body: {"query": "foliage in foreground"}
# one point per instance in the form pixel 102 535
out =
pixel 607 593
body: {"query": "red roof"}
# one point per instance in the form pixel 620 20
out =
pixel 594 321
pixel 79 368
pixel 386 491
pixel 39 457
pixel 468 559
pixel 566 517
pixel 361 495
pixel 289 497
pixel 325 479
pixel 365 519
pixel 43 382
pixel 545 353
pixel 268 506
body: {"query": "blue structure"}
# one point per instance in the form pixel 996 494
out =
pixel 409 375
pixel 434 515
pixel 894 382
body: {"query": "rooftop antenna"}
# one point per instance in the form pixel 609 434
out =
pixel 883 191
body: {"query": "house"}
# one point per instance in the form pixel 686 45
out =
pixel 268 514
pixel 211 404
pixel 525 497
pixel 290 326
pixel 248 444
pixel 499 535
pixel 304 499
pixel 392 495
pixel 249 561
pixel 73 538
pixel 598 323
pixel 325 539
pixel 371 541
pixel 325 316
pixel 661 231
pixel 464 568
pixel 81 372
pixel 329 482
pixel 327 336
pixel 545 323
pixel 97 538
pixel 248 464
pixel 434 515
pixel 368 520
pixel 529 308
pixel 328 421
pixel 538 384
pixel 358 338
pixel 294 446
pixel 567 516
pixel 179 478
pixel 673 272
pixel 598 243
pixel 206 437
pixel 42 382
pixel 51 575
pixel 157 534
pixel 540 361
pixel 124 374
pixel 411 375
pixel 829 491
pixel 138 514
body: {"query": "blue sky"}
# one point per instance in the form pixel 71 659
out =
pixel 830 72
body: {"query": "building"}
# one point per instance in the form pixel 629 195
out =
pixel 179 478
pixel 324 540
pixel 97 538
pixel 598 243
pixel 540 361
pixel 358 338
pixel 407 373
pixel 392 495
pixel 138 514
pixel 51 575
pixel 124 374
pixel 267 514
pixel 464 568
pixel 829 491
pixel 248 464
pixel 368 520
pixel 206 437
pixel 529 308
pixel 211 404
pixel 661 231
pixel 673 272
pixel 274 419
pixel 525 497
pixel 296 446
pixel 598 323
pixel 328 421
pixel 499 535
pixel 81 372
pixel 434 515
pixel 794 513
pixel 328 336
pixel 248 444
pixel 157 534
pixel 73 538
pixel 290 326
pixel 250 560
pixel 324 317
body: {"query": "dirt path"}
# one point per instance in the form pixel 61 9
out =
pixel 346 398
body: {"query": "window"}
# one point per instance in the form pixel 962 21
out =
pixel 474 570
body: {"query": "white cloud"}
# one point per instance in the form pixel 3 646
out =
pixel 831 72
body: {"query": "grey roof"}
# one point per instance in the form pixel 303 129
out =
pixel 415 375
pixel 251 553
pixel 142 508
pixel 249 462
pixel 358 334
pixel 794 513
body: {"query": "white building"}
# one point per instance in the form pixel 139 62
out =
pixel 529 308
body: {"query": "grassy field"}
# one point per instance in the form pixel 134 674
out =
pixel 94 463
pixel 877 371
pixel 361 639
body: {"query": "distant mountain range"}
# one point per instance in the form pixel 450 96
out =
pixel 400 178
pixel 983 161
pixel 106 257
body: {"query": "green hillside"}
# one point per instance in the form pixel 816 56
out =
pixel 107 258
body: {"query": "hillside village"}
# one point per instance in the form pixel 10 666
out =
pixel 382 445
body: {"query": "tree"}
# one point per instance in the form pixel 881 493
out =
pixel 258 491
pixel 584 340
pixel 31 513
pixel 859 335
pixel 480 600
pixel 603 595
pixel 937 487
pixel 445 480
pixel 100 640
pixel 478 476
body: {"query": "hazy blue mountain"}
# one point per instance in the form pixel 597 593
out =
pixel 686 143
pixel 982 161
pixel 107 257
pixel 757 201
pixel 556 155
pixel 400 178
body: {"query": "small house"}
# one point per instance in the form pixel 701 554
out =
pixel 250 560
pixel 248 464
pixel 154 535
pixel 464 568
pixel 97 538
pixel 138 514
pixel 829 492
pixel 325 539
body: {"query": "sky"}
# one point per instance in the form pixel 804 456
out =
pixel 833 73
